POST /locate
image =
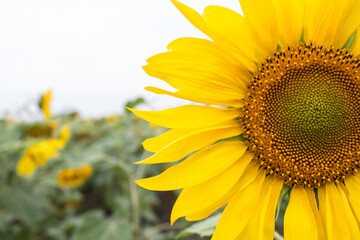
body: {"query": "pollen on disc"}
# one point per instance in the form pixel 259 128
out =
pixel 302 115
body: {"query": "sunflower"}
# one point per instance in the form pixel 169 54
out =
pixel 44 104
pixel 40 153
pixel 74 177
pixel 281 90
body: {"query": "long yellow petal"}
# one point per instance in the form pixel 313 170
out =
pixel 188 116
pixel 197 168
pixel 232 30
pixel 353 185
pixel 193 77
pixel 290 16
pixel 348 23
pixel 191 15
pixel 334 211
pixel 155 144
pixel 200 23
pixel 301 220
pixel 356 46
pixel 200 197
pixel 196 66
pixel 321 28
pixel 261 224
pixel 192 142
pixel 248 177
pixel 353 222
pixel 239 210
pixel 202 96
pixel 261 15
pixel 190 44
pixel 210 49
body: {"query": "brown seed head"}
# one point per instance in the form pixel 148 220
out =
pixel 302 115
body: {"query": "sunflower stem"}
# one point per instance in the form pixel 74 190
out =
pixel 277 236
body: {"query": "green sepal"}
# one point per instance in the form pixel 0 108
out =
pixel 302 38
pixel 350 41
pixel 316 196
pixel 285 190
pixel 236 138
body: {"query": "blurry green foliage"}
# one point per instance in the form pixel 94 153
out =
pixel 108 206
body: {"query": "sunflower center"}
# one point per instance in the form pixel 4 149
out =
pixel 302 115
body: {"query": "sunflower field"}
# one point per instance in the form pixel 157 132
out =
pixel 66 177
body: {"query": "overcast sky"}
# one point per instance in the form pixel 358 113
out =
pixel 89 53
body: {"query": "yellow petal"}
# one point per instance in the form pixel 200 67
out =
pixel 334 210
pixel 189 67
pixel 25 167
pixel 247 177
pixel 195 67
pixel 320 28
pixel 356 46
pixel 199 22
pixel 239 210
pixel 208 48
pixel 190 44
pixel 290 16
pixel 353 222
pixel 349 21
pixel 353 185
pixel 261 15
pixel 155 144
pixel 232 30
pixel 197 168
pixel 200 197
pixel 45 104
pixel 193 77
pixel 191 15
pixel 201 96
pixel 302 219
pixel 192 142
pixel 188 116
pixel 65 134
pixel 262 221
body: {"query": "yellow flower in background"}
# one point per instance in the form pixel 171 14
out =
pixel 65 134
pixel 74 177
pixel 287 77
pixel 45 104
pixel 43 129
pixel 153 126
pixel 26 166
pixel 111 119
pixel 42 152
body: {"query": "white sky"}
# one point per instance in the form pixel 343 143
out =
pixel 89 53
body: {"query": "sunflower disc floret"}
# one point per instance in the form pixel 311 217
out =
pixel 302 115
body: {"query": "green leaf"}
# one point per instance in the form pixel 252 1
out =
pixel 134 103
pixel 96 227
pixel 285 190
pixel 24 205
pixel 350 41
pixel 203 228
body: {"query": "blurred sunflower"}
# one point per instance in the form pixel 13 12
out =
pixel 40 153
pixel 45 104
pixel 288 73
pixel 74 177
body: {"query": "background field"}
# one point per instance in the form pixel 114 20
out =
pixel 108 205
